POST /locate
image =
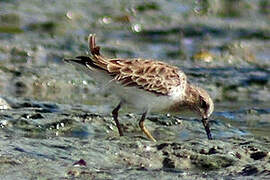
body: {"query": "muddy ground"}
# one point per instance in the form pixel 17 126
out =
pixel 56 125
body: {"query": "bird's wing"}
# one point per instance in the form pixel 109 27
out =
pixel 154 76
pixel 150 75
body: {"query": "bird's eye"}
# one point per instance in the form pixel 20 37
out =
pixel 204 105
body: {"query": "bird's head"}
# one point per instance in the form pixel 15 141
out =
pixel 199 101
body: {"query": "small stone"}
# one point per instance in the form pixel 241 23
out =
pixel 213 150
pixel 249 170
pixel 168 163
pixel 203 151
pixel 238 155
pixel 3 104
pixel 203 55
pixel 161 146
pixel 258 155
pixel 81 162
pixel 73 173
pixel 36 116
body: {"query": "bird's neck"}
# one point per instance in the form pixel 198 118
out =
pixel 191 94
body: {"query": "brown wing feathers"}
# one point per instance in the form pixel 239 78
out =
pixel 154 76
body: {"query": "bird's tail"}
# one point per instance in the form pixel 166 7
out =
pixel 96 60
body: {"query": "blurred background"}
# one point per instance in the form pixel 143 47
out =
pixel 222 45
pixel 52 115
pixel 216 38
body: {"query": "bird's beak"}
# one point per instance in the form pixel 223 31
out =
pixel 207 127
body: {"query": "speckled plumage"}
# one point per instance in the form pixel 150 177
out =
pixel 147 85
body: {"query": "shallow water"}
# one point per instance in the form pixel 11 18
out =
pixel 51 115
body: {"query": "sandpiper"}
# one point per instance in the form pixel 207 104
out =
pixel 146 85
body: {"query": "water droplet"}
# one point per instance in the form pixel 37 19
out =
pixel 136 27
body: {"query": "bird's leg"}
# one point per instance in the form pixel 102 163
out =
pixel 207 128
pixel 115 117
pixel 143 128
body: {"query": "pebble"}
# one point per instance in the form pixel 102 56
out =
pixel 4 104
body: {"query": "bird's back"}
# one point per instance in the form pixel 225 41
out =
pixel 136 77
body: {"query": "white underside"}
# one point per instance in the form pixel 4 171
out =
pixel 136 98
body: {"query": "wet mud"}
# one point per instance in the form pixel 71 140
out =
pixel 54 123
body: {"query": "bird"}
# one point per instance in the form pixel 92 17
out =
pixel 146 85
